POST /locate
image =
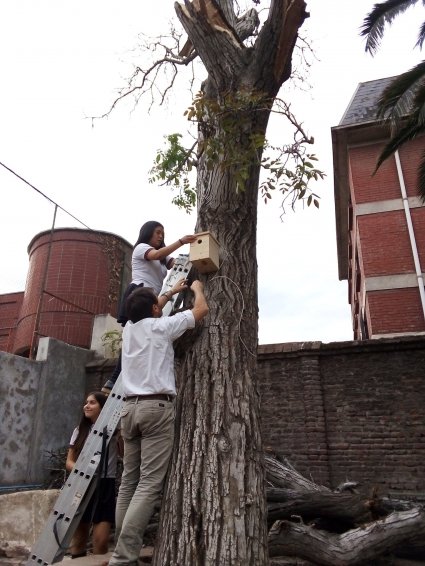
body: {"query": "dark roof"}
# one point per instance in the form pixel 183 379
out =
pixel 362 107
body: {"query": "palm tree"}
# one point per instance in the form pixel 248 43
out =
pixel 402 103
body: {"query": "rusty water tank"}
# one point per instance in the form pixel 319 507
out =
pixel 73 275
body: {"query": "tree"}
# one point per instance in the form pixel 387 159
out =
pixel 214 508
pixel 403 100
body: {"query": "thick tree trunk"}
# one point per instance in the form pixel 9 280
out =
pixel 214 510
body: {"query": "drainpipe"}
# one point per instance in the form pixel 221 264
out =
pixel 411 231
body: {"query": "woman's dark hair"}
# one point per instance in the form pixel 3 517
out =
pixel 139 304
pixel 85 423
pixel 146 233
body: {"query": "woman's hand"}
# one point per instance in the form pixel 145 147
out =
pixel 187 239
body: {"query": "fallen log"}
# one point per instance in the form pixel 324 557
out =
pixel 349 508
pixel 280 473
pixel 350 548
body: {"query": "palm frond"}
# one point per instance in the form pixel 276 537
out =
pixel 409 132
pixel 403 95
pixel 383 13
pixel 419 104
pixel 421 36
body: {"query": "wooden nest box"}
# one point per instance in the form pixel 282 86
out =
pixel 204 253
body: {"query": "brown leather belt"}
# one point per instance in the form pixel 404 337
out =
pixel 153 396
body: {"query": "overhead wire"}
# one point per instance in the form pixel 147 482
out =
pixel 44 195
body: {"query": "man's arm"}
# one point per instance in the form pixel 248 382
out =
pixel 200 307
pixel 181 285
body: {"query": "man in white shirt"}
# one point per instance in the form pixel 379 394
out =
pixel 147 423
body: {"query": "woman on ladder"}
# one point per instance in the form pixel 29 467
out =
pixel 149 264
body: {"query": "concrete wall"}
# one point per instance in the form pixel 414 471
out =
pixel 19 381
pixel 40 404
pixel 22 518
pixel 343 410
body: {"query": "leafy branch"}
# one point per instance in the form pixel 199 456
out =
pixel 172 167
pixel 224 142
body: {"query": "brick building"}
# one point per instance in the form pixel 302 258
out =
pixel 380 222
pixel 73 275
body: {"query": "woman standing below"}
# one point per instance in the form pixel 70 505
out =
pixel 100 510
pixel 149 264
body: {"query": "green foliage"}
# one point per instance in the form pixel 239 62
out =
pixel 228 140
pixel 172 167
pixel 112 340
pixel 291 182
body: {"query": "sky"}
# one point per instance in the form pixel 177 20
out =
pixel 63 62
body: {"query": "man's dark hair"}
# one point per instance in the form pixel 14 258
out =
pixel 139 304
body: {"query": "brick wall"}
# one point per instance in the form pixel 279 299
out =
pixel 368 187
pixel 350 410
pixel 292 411
pixel 379 243
pixel 395 311
pixel 418 221
pixel 10 304
pixel 410 158
pixel 345 410
pixel 385 244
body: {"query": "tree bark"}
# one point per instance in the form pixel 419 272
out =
pixel 214 510
pixel 283 474
pixel 342 527
pixel 347 508
pixel 350 548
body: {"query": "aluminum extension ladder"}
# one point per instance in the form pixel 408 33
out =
pixel 74 496
pixel 180 270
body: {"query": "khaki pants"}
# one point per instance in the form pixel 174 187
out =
pixel 147 427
